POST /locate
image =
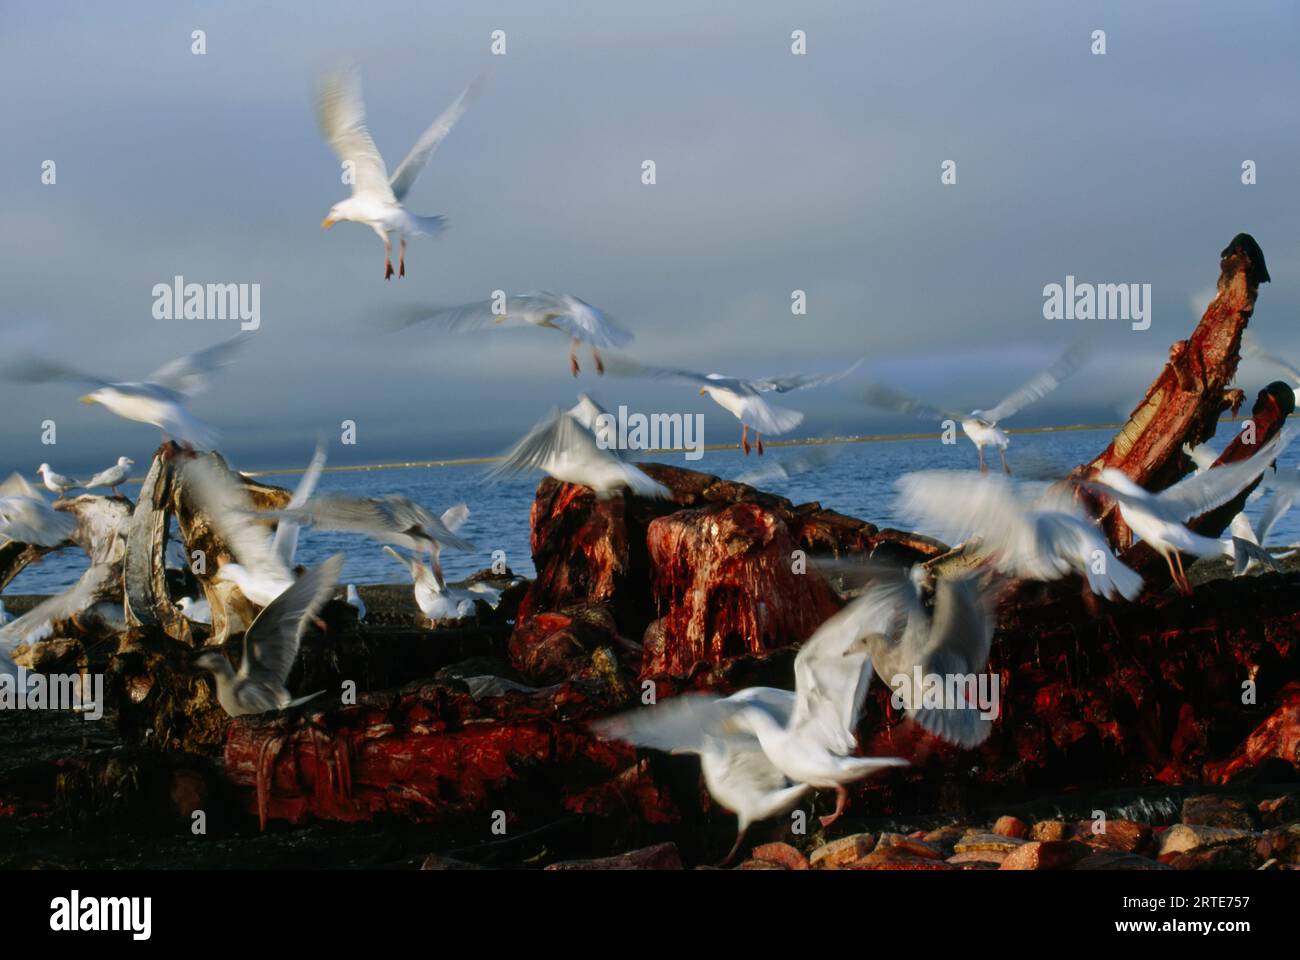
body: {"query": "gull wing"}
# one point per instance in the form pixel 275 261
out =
pixel 957 506
pixel 585 322
pixel 799 381
pixel 884 397
pixel 832 672
pixel 1198 494
pixel 1281 501
pixel 188 375
pixel 59 607
pixel 413 164
pixel 1040 386
pixel 341 113
pixel 1252 348
pixel 271 641
pixel 215 489
pixel 956 642
pixel 379 517
pixel 557 435
pixel 679 724
pixel 419 572
pixel 285 542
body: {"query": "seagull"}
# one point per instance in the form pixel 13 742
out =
pixel 25 516
pixel 1160 518
pixel 435 600
pixel 1246 553
pixel 271 646
pixel 562 447
pixel 159 399
pixel 744 399
pixel 582 322
pixel 113 477
pixel 388 519
pixel 377 198
pixel 981 426
pixel 736 772
pixel 85 597
pixel 56 483
pixel 195 609
pixel 353 599
pixel 802 739
pixel 263 562
pixel 1046 541
pixel 951 643
pixel 1202 455
pixel 1285 487
pixel 778 471
pixel 453 518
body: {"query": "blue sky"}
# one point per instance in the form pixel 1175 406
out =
pixel 775 172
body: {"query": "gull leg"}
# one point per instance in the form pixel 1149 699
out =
pixel 735 847
pixel 744 438
pixel 595 357
pixel 1182 575
pixel 841 801
pixel 984 467
pixel 1003 454
pixel 758 437
pixel 388 259
pixel 573 356
pixel 401 260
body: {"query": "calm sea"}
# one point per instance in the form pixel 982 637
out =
pixel 855 478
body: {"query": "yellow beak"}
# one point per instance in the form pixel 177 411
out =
pixel 703 391
pixel 88 399
pixel 327 223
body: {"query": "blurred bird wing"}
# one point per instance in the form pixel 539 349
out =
pixel 885 397
pixel 587 411
pixel 1038 387
pixel 413 164
pixel 18 486
pixel 454 517
pixel 1198 494
pixel 590 325
pixel 271 641
pixel 799 381
pixel 678 724
pixel 1281 501
pixel 559 435
pixel 71 602
pixel 341 113
pixel 189 375
pixel 1202 455
pixel 957 506
pixel 379 517
pixel 1253 348
pixel 285 542
pixel 419 572
pixel 230 510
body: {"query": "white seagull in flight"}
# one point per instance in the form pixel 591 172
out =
pixel 570 315
pixel 1160 518
pixel 377 198
pixel 746 400
pixel 159 399
pixel 981 426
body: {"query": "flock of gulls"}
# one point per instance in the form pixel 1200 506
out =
pixel 762 750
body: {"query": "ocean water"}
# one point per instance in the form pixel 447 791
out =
pixel 853 478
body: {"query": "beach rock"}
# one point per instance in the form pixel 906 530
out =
pixel 945 837
pixel 842 853
pixel 755 864
pixel 1280 810
pixel 987 843
pixel 898 843
pixel 1182 838
pixel 1214 858
pixel 1011 827
pixel 1127 836
pixel 435 861
pixel 897 858
pixel 1280 843
pixel 1212 810
pixel 1050 830
pixel 782 853
pixel 1045 855
pixel 1117 860
pixel 662 856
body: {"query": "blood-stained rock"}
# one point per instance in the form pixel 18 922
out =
pixel 1214 858
pixel 843 852
pixel 1050 830
pixel 662 856
pixel 1278 737
pixel 1211 810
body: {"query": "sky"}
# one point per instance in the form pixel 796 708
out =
pixel 775 172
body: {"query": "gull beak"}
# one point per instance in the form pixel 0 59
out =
pixel 703 391
pixel 327 223
pixel 87 399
